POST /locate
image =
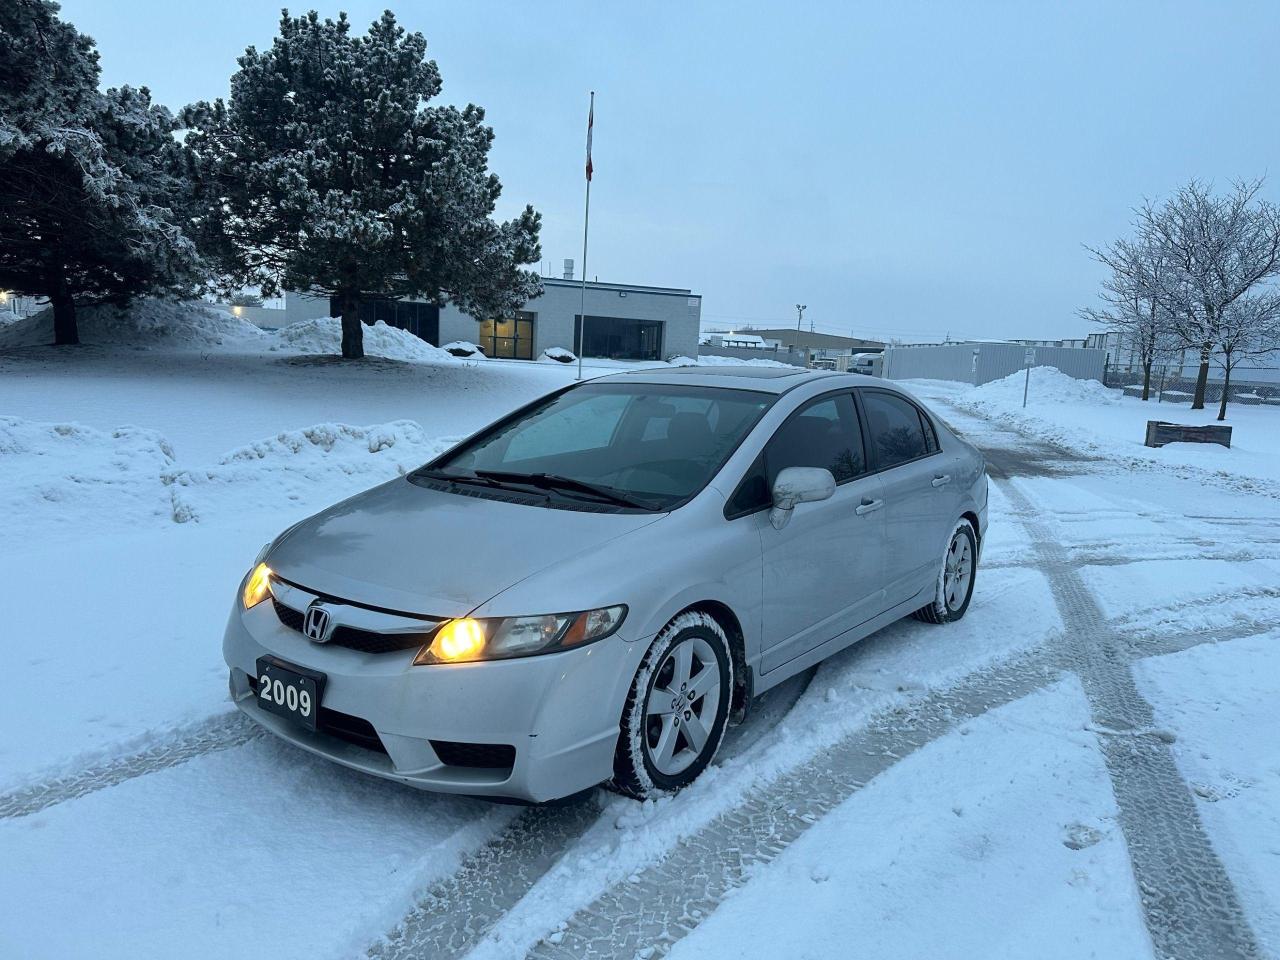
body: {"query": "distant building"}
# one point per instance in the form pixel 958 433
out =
pixel 744 341
pixel 13 306
pixel 818 344
pixel 623 321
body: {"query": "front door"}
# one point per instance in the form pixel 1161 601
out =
pixel 823 570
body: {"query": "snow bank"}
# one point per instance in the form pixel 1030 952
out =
pixel 145 324
pixel 1048 385
pixel 70 479
pixel 464 348
pixel 558 355
pixel 324 336
pixel 301 469
pixel 708 360
pixel 1086 417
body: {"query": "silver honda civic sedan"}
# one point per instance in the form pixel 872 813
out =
pixel 590 589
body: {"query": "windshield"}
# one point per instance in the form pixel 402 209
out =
pixel 642 445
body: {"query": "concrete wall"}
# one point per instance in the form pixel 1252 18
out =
pixel 979 363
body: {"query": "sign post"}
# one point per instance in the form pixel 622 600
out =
pixel 1029 361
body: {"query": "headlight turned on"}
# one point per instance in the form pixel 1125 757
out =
pixel 257 587
pixel 467 640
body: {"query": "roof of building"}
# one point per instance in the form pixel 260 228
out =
pixel 813 339
pixel 628 287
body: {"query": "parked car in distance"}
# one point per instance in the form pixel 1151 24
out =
pixel 590 589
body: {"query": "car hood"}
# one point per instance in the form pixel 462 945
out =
pixel 419 550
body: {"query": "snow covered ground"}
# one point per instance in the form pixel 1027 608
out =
pixel 945 792
pixel 1084 415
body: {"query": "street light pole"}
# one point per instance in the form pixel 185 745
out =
pixel 800 309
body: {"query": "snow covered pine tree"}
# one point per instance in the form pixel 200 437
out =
pixel 86 178
pixel 327 172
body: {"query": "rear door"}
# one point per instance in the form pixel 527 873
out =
pixel 823 571
pixel 919 491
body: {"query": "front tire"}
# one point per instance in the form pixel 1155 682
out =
pixel 677 709
pixel 955 578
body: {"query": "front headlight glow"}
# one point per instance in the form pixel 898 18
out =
pixel 465 640
pixel 257 587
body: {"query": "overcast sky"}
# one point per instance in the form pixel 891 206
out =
pixel 903 170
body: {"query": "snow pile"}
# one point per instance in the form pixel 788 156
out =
pixel 558 355
pixel 710 360
pixel 1048 385
pixel 302 469
pixel 464 348
pixel 74 480
pixel 145 324
pixel 324 336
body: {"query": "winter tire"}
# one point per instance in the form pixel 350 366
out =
pixel 955 578
pixel 677 709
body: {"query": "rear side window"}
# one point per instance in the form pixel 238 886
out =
pixel 823 434
pixel 896 429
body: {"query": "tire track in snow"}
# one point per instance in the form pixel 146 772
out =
pixel 220 733
pixel 453 916
pixel 1188 899
pixel 645 915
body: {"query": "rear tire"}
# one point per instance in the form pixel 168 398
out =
pixel 955 578
pixel 677 710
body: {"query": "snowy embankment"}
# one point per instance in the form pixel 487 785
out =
pixel 1085 416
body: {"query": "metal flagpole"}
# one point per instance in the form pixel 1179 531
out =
pixel 586 222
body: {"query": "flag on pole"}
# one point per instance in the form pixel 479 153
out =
pixel 591 119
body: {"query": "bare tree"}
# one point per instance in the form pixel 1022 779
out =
pixel 1219 248
pixel 1134 304
pixel 1249 327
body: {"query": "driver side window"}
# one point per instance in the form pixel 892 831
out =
pixel 825 433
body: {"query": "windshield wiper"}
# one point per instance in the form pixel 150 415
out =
pixel 554 481
pixel 455 477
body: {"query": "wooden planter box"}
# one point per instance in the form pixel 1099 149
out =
pixel 1159 433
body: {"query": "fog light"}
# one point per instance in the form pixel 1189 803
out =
pixel 258 587
pixel 458 640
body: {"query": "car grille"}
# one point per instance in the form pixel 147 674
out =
pixel 489 755
pixel 366 641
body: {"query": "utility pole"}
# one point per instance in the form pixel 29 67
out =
pixel 800 309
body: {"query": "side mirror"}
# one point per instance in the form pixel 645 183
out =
pixel 799 485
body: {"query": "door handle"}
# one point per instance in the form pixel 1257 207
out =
pixel 942 479
pixel 868 506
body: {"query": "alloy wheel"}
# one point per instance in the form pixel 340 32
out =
pixel 680 711
pixel 959 570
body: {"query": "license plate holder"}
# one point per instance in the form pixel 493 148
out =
pixel 290 691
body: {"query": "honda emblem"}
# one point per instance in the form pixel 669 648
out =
pixel 316 625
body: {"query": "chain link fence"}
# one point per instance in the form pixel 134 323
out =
pixel 1255 386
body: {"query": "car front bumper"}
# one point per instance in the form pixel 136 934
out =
pixel 559 711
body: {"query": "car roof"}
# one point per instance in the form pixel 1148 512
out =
pixel 745 377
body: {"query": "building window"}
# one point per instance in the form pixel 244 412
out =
pixel 619 338
pixel 511 339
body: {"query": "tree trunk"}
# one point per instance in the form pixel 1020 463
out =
pixel 352 333
pixel 1146 380
pixel 65 330
pixel 1226 382
pixel 1202 377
